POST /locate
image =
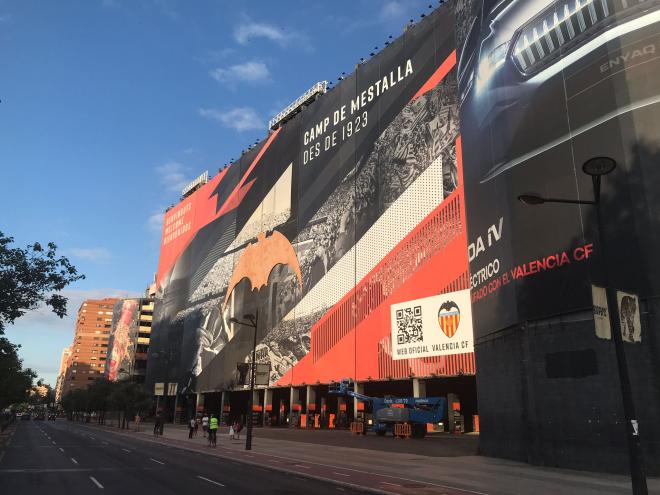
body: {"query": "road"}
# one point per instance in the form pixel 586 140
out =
pixel 60 457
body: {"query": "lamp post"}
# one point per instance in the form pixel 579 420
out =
pixel 597 167
pixel 253 321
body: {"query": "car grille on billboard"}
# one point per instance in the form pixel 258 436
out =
pixel 564 26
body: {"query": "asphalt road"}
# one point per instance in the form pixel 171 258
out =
pixel 60 457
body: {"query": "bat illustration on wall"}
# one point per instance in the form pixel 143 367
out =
pixel 449 317
pixel 259 259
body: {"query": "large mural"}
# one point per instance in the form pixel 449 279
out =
pixel 352 206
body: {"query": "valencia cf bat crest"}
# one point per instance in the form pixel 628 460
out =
pixel 449 317
pixel 259 259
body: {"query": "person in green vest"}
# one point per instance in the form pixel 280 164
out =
pixel 213 429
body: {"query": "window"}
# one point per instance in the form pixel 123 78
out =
pixel 97 331
pixel 75 364
pixel 98 325
pixel 93 352
pixel 99 319
pixel 101 359
pixel 74 371
pixel 107 326
pixel 93 358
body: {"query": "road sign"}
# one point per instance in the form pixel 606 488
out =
pixel 631 325
pixel 172 388
pixel 601 314
pixel 262 374
pixel 159 389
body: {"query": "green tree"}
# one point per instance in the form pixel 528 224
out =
pixel 32 276
pixel 15 382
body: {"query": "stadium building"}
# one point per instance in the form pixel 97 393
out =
pixel 376 235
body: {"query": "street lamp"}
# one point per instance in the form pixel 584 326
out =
pixel 252 322
pixel 597 167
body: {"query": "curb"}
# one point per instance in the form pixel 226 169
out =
pixel 344 484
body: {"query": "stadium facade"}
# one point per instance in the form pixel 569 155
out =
pixel 386 199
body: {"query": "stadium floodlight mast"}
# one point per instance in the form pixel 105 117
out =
pixel 252 321
pixel 597 167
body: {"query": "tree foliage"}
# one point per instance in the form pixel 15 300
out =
pixel 15 382
pixel 32 276
pixel 103 396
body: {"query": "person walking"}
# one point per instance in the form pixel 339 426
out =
pixel 197 421
pixel 213 429
pixel 231 431
pixel 157 421
pixel 205 424
pixel 191 427
pixel 238 429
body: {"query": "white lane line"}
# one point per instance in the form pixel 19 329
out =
pixel 210 481
pixel 74 461
pixel 61 450
pixel 53 442
pixel 126 450
pixel 388 483
pixel 300 465
pixel 154 460
pixel 341 474
pixel 96 482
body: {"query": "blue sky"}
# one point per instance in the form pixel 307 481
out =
pixel 109 107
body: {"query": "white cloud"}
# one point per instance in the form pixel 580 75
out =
pixel 239 118
pixel 43 317
pixel 391 10
pixel 98 254
pixel 173 176
pixel 252 72
pixel 248 30
pixel 155 221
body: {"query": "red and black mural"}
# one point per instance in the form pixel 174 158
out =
pixel 353 205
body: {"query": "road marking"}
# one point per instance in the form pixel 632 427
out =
pixel 53 442
pixel 61 450
pixel 342 474
pixel 74 461
pixel 96 482
pixel 388 483
pixel 154 460
pixel 126 450
pixel 300 465
pixel 210 481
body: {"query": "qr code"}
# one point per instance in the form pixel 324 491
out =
pixel 409 325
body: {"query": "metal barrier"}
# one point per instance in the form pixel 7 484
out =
pixel 357 427
pixel 403 430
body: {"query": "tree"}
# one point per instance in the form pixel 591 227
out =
pixel 32 276
pixel 15 382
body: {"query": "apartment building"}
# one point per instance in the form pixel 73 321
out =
pixel 88 352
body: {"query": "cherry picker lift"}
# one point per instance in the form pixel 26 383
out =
pixel 391 411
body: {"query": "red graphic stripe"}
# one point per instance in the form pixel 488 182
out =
pixel 437 76
pixel 233 199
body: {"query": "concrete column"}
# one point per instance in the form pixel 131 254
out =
pixel 359 388
pixel 199 401
pixel 224 399
pixel 451 398
pixel 293 399
pixel 311 396
pixel 268 401
pixel 419 388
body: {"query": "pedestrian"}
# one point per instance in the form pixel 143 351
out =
pixel 157 424
pixel 213 429
pixel 137 422
pixel 197 421
pixel 191 427
pixel 205 424
pixel 231 431
pixel 239 427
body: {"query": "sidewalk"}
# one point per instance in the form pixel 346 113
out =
pixel 390 471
